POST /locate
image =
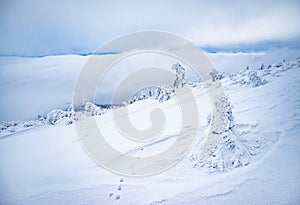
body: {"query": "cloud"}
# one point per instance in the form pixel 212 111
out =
pixel 232 62
pixel 55 27
pixel 250 22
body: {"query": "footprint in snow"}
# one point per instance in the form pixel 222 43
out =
pixel 119 187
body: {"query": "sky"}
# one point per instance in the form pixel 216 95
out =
pixel 52 27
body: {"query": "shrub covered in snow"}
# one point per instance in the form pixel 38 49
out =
pixel 255 80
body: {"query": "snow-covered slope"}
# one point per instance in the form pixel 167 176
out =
pixel 47 165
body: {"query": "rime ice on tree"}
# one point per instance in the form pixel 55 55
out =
pixel 180 80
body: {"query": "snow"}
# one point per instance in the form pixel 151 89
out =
pixel 46 164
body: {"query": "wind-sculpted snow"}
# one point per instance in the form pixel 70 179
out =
pixel 237 147
pixel 256 160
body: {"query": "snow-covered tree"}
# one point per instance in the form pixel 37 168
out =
pixel 255 80
pixel 90 109
pixel 58 116
pixel 216 75
pixel 163 93
pixel 228 149
pixel 180 79
pixel 223 119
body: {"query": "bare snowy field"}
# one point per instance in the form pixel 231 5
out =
pixel 45 164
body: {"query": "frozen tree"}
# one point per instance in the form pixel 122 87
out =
pixel 216 75
pixel 223 119
pixel 230 148
pixel 141 95
pixel 225 151
pixel 70 111
pixel 90 109
pixel 163 93
pixel 255 80
pixel 180 80
pixel 157 92
pixel 57 117
pixel 150 92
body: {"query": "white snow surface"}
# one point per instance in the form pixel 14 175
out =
pixel 47 165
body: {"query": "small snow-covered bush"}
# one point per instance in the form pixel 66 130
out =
pixel 255 80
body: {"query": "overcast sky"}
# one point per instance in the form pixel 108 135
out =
pixel 35 27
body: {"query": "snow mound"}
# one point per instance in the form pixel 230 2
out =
pixel 237 148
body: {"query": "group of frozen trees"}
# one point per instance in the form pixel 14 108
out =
pixel 216 75
pixel 251 77
pixel 68 116
pixel 55 117
pixel 163 92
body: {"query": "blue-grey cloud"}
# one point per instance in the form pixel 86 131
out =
pixel 55 27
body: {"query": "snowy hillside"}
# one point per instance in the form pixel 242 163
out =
pixel 256 160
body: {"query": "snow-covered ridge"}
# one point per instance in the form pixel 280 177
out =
pixel 250 77
pixel 240 143
pixel 256 161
